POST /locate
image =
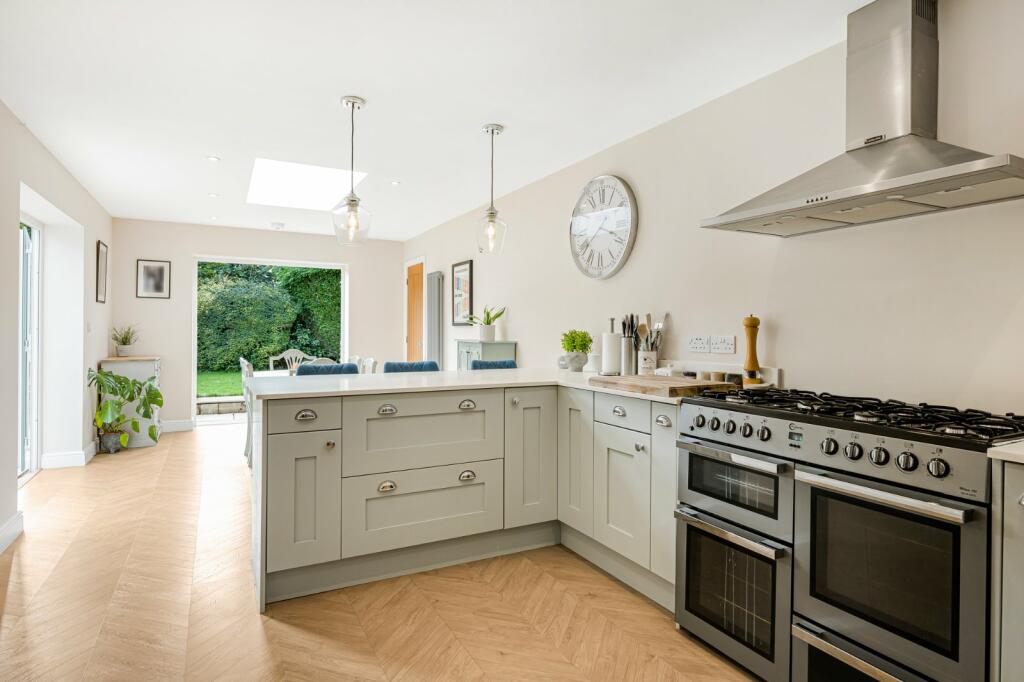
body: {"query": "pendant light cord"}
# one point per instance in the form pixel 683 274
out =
pixel 352 150
pixel 492 170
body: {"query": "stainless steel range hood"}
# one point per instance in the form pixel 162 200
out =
pixel 894 166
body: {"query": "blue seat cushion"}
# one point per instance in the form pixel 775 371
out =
pixel 342 368
pixel 425 366
pixel 492 364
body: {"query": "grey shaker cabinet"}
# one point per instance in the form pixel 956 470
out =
pixel 663 490
pixel 622 491
pixel 531 462
pixel 1011 663
pixel 303 499
pixel 576 459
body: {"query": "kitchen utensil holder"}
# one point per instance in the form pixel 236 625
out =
pixel 647 362
pixel 627 357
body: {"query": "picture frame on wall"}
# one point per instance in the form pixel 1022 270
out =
pixel 152 278
pixel 101 272
pixel 462 293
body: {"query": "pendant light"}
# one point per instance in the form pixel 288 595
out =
pixel 491 230
pixel 351 220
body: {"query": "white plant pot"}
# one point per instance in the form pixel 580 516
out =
pixel 123 351
pixel 486 332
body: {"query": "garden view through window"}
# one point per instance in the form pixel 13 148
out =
pixel 258 311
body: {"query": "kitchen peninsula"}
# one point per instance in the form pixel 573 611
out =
pixel 361 477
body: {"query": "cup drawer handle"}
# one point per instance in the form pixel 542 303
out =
pixel 386 487
pixel 306 415
pixel 467 404
pixel 387 409
pixel 467 475
pixel 662 420
pixel 619 411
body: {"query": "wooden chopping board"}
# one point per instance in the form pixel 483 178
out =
pixel 665 387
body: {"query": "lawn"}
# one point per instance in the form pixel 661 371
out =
pixel 213 384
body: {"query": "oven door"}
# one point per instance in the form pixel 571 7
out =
pixel 899 572
pixel 733 592
pixel 745 487
pixel 821 655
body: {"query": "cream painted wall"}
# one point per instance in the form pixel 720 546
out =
pixel 925 309
pixel 375 290
pixel 23 159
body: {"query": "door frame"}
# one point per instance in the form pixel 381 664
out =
pixel 405 308
pixel 35 356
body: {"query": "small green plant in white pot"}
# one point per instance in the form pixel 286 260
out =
pixel 576 343
pixel 115 394
pixel 124 338
pixel 485 324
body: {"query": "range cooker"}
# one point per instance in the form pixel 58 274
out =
pixel 834 537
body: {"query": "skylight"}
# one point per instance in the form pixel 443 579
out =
pixel 298 185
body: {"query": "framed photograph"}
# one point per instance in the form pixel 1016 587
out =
pixel 462 293
pixel 153 279
pixel 101 272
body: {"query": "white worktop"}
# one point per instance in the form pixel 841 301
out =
pixel 1009 452
pixel 274 387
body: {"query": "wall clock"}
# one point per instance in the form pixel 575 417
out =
pixel 603 226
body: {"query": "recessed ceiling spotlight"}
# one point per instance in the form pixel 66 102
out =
pixel 396 183
pixel 213 217
pixel 277 226
pixel 213 159
pixel 213 195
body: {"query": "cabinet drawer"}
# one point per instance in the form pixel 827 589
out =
pixel 629 413
pixel 404 508
pixel 417 430
pixel 303 414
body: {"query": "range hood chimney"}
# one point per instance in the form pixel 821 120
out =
pixel 894 166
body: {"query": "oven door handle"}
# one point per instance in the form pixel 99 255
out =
pixel 737 458
pixel 769 550
pixel 815 639
pixel 932 510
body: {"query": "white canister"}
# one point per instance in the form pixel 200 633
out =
pixel 610 353
pixel 646 361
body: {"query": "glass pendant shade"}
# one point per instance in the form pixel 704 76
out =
pixel 351 221
pixel 490 234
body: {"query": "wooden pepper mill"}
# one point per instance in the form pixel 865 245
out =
pixel 751 368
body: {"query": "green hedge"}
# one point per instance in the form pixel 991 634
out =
pixel 317 293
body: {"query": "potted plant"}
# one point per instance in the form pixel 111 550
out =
pixel 576 343
pixel 123 338
pixel 485 324
pixel 115 394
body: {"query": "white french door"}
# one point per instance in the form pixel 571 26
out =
pixel 28 323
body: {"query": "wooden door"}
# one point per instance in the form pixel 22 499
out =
pixel 622 492
pixel 414 313
pixel 531 463
pixel 576 459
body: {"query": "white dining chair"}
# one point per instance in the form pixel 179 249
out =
pixel 357 361
pixel 247 373
pixel 292 358
pixel 369 366
pixel 322 361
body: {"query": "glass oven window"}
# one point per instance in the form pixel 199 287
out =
pixel 732 589
pixel 891 568
pixel 821 666
pixel 744 488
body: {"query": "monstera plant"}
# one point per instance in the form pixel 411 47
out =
pixel 117 392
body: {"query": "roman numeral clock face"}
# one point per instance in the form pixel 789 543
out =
pixel 603 227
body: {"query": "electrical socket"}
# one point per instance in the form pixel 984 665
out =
pixel 697 344
pixel 723 344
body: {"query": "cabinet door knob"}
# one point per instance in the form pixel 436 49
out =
pixel 330 444
pixel 639 447
pixel 467 475
pixel 1020 501
pixel 619 411
pixel 306 415
pixel 387 409
pixel 386 487
pixel 515 402
pixel 467 404
pixel 662 420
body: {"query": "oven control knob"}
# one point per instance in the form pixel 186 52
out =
pixel 747 431
pixel 699 421
pixel 939 468
pixel 853 451
pixel 879 456
pixel 764 433
pixel 906 461
pixel 730 427
pixel 829 446
pixel 715 423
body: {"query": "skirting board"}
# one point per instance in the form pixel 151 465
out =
pixel 10 531
pixel 74 458
pixel 652 586
pixel 170 425
pixel 299 582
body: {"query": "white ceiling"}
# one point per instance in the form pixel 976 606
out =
pixel 133 95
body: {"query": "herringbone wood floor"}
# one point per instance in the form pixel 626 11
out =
pixel 135 567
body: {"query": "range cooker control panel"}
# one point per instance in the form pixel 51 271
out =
pixel 945 470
